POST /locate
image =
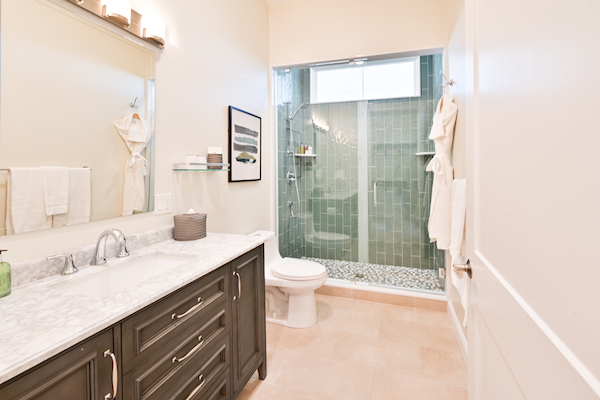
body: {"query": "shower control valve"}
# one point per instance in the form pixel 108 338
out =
pixel 291 177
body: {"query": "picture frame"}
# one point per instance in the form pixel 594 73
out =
pixel 245 146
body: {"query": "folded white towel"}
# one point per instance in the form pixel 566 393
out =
pixel 25 206
pixel 457 234
pixel 80 195
pixel 56 189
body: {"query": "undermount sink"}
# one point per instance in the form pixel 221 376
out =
pixel 122 277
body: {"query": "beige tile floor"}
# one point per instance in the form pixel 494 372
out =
pixel 363 351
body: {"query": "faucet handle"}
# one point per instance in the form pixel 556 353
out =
pixel 69 267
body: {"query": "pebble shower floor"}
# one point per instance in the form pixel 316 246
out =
pixel 402 277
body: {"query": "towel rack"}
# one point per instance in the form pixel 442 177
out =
pixel 8 169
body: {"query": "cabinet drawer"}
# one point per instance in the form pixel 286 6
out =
pixel 200 377
pixel 152 380
pixel 220 390
pixel 150 334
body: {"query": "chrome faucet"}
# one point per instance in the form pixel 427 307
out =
pixel 120 240
pixel 69 267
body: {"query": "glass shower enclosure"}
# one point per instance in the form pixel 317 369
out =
pixel 362 200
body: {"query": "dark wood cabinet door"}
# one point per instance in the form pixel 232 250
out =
pixel 82 373
pixel 248 311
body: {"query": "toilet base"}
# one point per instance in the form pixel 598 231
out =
pixel 299 311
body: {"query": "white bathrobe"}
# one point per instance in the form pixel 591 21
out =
pixel 136 134
pixel 442 133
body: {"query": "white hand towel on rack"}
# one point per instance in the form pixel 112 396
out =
pixel 25 206
pixel 56 189
pixel 80 195
pixel 457 244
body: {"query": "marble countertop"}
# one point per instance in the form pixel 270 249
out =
pixel 38 320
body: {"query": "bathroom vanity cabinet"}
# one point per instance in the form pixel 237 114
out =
pixel 202 342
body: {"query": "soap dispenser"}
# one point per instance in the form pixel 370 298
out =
pixel 5 282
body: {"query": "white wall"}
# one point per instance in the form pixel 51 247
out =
pixel 217 54
pixel 305 31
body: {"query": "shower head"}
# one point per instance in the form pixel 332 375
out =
pixel 302 107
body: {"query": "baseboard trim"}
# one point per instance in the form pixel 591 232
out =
pixel 393 291
pixel 459 333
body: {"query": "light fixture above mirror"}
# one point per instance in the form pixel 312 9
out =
pixel 154 29
pixel 119 12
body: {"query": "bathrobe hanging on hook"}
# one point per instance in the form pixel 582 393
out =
pixel 136 132
pixel 442 133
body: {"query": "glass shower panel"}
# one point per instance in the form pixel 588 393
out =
pixel 400 187
pixel 330 183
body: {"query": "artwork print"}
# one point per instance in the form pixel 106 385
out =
pixel 245 139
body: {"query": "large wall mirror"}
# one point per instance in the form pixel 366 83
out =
pixel 67 112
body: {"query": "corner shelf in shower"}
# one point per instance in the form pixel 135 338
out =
pixel 425 153
pixel 306 155
pixel 200 167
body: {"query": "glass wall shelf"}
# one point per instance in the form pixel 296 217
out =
pixel 305 155
pixel 202 167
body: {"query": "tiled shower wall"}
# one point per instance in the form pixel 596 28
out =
pixel 291 86
pixel 396 130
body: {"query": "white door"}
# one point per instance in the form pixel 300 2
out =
pixel 533 186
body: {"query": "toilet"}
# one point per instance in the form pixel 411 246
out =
pixel 290 286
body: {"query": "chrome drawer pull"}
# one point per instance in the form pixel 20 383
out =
pixel 191 310
pixel 202 383
pixel 239 279
pixel 192 351
pixel 115 372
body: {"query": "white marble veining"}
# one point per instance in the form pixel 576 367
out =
pixel 39 268
pixel 38 321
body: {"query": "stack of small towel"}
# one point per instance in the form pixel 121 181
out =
pixel 41 198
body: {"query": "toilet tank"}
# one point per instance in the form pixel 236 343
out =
pixel 272 255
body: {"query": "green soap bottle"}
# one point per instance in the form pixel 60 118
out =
pixel 4 277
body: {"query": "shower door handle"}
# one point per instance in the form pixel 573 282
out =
pixel 375 193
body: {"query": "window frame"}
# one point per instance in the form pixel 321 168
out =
pixel 314 81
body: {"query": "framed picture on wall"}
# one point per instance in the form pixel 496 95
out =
pixel 245 139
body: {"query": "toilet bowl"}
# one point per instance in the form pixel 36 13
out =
pixel 290 287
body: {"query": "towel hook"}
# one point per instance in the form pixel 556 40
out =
pixel 134 104
pixel 447 82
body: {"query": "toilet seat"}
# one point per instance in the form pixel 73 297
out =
pixel 293 269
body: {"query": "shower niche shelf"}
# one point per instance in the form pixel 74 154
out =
pixel 306 155
pixel 200 167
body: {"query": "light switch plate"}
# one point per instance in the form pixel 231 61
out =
pixel 162 203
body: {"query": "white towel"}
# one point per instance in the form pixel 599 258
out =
pixel 25 206
pixel 457 234
pixel 80 194
pixel 56 189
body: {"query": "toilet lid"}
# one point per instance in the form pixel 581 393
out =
pixel 294 269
